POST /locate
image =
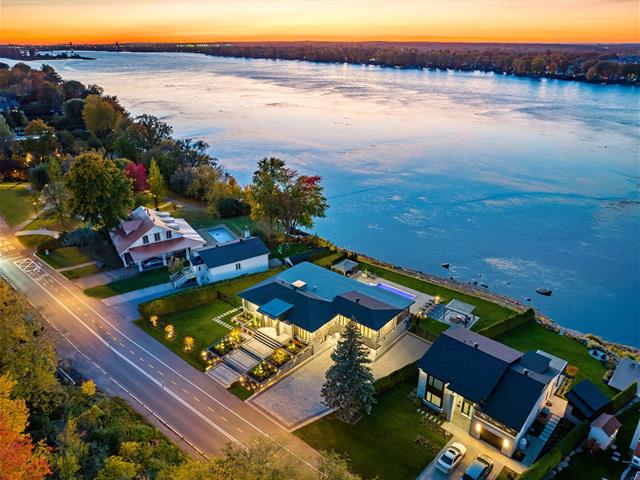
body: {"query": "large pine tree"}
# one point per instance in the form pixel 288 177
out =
pixel 349 382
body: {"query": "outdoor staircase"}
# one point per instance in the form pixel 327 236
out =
pixel 549 428
pixel 183 276
pixel 266 340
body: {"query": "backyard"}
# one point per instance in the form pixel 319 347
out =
pixel 599 464
pixel 383 444
pixel 118 287
pixel 488 312
pixel 532 336
pixel 16 203
pixel 196 323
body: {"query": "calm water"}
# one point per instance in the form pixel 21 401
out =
pixel 517 183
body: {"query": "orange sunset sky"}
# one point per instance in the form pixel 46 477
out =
pixel 98 21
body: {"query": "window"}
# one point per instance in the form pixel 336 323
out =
pixel 465 408
pixel 145 239
pixel 156 237
pixel 169 234
pixel 238 266
pixel 433 399
pixel 434 392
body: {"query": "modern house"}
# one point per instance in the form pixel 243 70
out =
pixel 604 430
pixel 148 238
pixel 586 401
pixel 229 257
pixel 313 305
pixel 487 388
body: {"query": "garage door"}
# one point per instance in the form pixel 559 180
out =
pixel 491 438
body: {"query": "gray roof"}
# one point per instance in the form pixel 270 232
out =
pixel 504 383
pixel 325 295
pixel 586 397
pixel 232 252
pixel 460 307
pixel 345 265
pixel 626 372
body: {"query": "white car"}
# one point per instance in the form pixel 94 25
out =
pixel 450 459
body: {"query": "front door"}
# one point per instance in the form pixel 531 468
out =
pixel 465 409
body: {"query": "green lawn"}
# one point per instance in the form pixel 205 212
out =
pixel 240 392
pixel 195 323
pixel 432 327
pixel 383 443
pixel 532 336
pixel 599 465
pixel 328 260
pixel 32 241
pixel 287 249
pixel 16 203
pixel 51 221
pixel 66 257
pixel 488 312
pixel 230 288
pixel 81 272
pixel 142 280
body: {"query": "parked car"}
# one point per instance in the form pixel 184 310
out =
pixel 450 459
pixel 479 469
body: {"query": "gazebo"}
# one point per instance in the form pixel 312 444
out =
pixel 345 267
pixel 459 310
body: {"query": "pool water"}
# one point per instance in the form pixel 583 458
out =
pixel 221 235
pixel 391 289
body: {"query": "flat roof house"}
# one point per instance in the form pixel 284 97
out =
pixel 313 304
pixel 492 390
pixel 149 237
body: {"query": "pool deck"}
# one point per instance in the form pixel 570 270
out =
pixel 211 240
pixel 419 301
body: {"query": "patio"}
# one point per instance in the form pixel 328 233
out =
pixel 420 299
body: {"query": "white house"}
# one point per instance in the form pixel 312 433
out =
pixel 148 238
pixel 604 430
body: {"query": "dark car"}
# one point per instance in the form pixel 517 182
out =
pixel 479 469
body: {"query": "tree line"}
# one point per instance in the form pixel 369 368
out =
pixel 88 157
pixel 589 63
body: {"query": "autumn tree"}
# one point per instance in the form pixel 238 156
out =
pixel 99 191
pixel 349 382
pixel 157 187
pixel 15 410
pixel 70 451
pixel 117 468
pixel 55 191
pixel 100 117
pixel 89 388
pixel 204 178
pixel 20 459
pixel 40 140
pixel 137 173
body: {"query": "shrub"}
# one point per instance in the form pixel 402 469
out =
pixel 232 207
pixel 544 464
pixel 80 237
pixel 190 298
pixel 508 323
pixel 405 373
pixel 49 244
pixel 620 399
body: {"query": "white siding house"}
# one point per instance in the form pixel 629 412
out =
pixel 604 430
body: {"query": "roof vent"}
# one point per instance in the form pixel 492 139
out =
pixel 357 300
pixel 526 372
pixel 299 285
pixel 476 345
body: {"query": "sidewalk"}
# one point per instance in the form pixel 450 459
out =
pixel 107 276
pixel 156 290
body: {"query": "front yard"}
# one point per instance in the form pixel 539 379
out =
pixel 532 336
pixel 195 323
pixel 16 203
pixel 386 443
pixel 118 287
pixel 488 312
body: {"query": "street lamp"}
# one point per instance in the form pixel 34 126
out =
pixel 155 200
pixel 35 207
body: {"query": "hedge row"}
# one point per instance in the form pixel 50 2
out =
pixel 620 399
pixel 184 300
pixel 405 373
pixel 544 464
pixel 508 323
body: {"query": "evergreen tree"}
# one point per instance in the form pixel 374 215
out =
pixel 349 381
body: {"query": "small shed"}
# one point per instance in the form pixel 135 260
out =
pixel 345 267
pixel 587 401
pixel 604 430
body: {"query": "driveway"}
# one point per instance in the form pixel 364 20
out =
pixel 473 450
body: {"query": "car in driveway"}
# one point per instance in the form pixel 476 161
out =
pixel 452 456
pixel 479 469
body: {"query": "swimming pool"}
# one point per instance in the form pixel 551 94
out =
pixel 221 235
pixel 397 291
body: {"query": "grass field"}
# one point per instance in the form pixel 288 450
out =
pixel 81 272
pixel 51 221
pixel 66 257
pixel 142 280
pixel 383 443
pixel 16 203
pixel 195 323
pixel 240 392
pixel 532 336
pixel 432 327
pixel 32 241
pixel 488 312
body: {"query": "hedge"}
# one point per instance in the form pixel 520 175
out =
pixel 190 298
pixel 508 323
pixel 405 373
pixel 623 397
pixel 544 464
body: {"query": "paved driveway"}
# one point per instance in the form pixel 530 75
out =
pixel 473 450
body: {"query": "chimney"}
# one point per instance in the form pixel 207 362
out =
pixel 357 300
pixel 246 231
pixel 526 372
pixel 476 345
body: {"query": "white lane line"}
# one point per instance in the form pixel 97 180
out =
pixel 210 409
pixel 224 418
pixel 196 398
pixel 161 373
pixel 152 379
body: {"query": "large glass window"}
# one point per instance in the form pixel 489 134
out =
pixel 434 392
pixel 434 399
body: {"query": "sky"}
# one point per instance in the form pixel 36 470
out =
pixel 104 21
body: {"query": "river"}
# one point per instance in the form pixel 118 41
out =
pixel 517 183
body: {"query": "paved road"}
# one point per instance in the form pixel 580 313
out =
pixel 123 360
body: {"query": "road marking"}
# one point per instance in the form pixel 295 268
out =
pixel 161 373
pixel 150 366
pixel 210 409
pixel 239 429
pixel 141 359
pixel 196 398
pixel 185 390
pixel 224 418
pixel 132 352
pixel 121 344
pixel 173 382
